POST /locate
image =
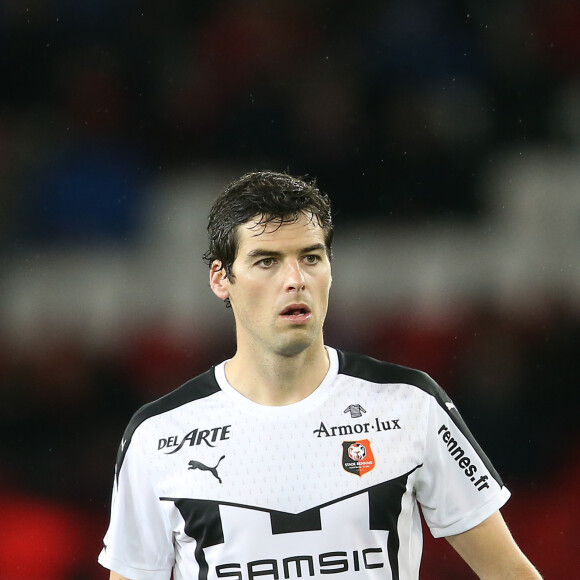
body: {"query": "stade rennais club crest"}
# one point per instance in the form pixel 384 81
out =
pixel 357 456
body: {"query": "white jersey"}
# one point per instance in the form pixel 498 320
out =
pixel 211 485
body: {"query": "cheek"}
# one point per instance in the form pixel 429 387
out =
pixel 255 298
pixel 326 284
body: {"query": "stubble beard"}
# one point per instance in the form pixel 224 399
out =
pixel 294 342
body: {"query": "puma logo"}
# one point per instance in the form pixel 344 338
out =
pixel 202 467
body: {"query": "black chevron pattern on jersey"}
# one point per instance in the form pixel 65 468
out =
pixel 203 522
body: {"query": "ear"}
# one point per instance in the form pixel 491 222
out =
pixel 218 280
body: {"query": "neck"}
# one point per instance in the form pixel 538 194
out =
pixel 276 379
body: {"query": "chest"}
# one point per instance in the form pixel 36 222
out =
pixel 355 441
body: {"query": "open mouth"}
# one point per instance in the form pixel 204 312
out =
pixel 296 311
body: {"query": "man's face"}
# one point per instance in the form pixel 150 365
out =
pixel 279 293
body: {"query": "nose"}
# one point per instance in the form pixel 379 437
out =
pixel 294 277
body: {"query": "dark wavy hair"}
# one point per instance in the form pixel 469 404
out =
pixel 270 197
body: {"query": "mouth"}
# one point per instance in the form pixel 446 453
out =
pixel 296 313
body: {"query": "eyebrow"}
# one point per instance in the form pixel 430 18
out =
pixel 257 253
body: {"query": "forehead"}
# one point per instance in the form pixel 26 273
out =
pixel 302 232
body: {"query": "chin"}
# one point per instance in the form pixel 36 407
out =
pixel 293 348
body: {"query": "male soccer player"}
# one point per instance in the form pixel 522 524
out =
pixel 294 459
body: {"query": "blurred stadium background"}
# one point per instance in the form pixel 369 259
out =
pixel 446 132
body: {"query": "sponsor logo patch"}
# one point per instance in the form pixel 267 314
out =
pixel 357 457
pixel 210 437
pixel 355 410
pixel 202 467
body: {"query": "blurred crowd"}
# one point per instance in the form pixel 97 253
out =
pixel 397 107
pixel 401 104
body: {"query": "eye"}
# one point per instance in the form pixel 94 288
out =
pixel 312 259
pixel 266 262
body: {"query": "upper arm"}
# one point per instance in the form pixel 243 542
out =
pixel 492 553
pixel 139 536
pixel 115 576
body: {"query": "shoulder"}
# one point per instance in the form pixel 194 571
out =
pixel 377 371
pixel 380 372
pixel 198 388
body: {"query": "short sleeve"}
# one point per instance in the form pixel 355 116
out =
pixel 139 541
pixel 457 485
